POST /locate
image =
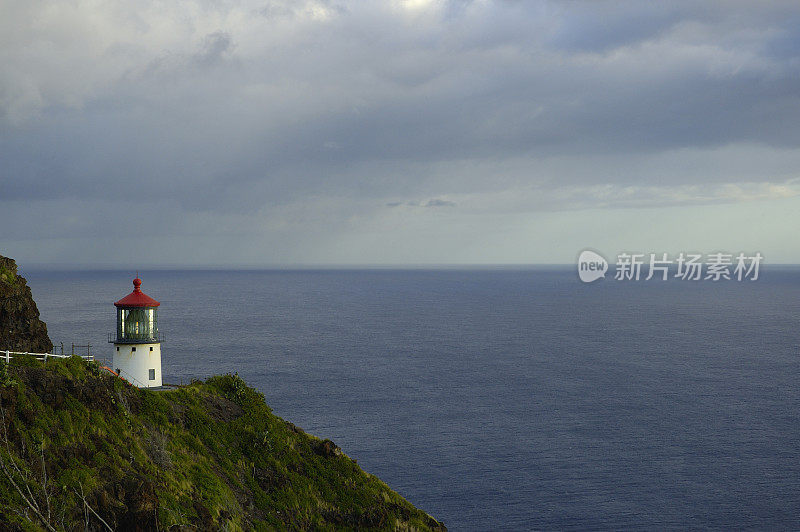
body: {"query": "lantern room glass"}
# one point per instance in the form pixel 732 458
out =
pixel 137 324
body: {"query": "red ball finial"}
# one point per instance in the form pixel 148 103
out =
pixel 136 284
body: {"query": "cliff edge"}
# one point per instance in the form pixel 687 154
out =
pixel 82 450
pixel 20 326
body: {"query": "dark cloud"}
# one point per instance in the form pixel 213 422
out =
pixel 439 203
pixel 434 202
pixel 215 46
pixel 602 26
pixel 241 116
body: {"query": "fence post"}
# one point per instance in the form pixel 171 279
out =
pixel 45 358
pixel 8 357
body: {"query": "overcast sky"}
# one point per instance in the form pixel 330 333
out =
pixel 263 133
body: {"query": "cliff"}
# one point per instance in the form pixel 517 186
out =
pixel 78 445
pixel 20 326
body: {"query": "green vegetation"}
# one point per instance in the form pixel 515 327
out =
pixel 78 446
pixel 8 275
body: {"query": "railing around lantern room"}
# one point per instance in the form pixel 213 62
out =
pixel 130 338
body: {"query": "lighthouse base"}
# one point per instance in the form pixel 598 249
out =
pixel 139 364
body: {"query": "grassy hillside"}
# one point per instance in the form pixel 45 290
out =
pixel 78 446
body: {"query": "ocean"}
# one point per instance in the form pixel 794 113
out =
pixel 501 399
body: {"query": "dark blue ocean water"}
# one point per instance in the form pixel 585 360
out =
pixel 503 399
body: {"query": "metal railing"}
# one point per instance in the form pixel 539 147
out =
pixel 60 347
pixel 150 339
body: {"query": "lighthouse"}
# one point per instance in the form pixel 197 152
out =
pixel 137 343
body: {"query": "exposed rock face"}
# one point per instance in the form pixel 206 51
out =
pixel 20 326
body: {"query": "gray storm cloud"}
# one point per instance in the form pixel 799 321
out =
pixel 294 123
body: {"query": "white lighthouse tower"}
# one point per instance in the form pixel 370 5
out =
pixel 137 343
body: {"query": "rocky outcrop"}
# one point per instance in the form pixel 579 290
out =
pixel 20 326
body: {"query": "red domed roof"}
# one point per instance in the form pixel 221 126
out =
pixel 137 298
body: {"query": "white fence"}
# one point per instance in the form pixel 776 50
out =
pixel 6 356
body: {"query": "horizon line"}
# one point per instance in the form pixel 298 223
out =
pixel 317 266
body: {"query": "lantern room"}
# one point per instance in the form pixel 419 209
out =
pixel 137 317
